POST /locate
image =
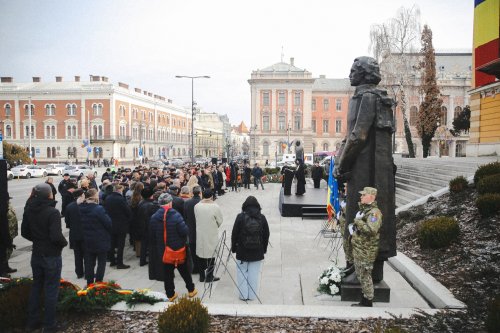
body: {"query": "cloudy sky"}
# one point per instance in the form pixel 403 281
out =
pixel 146 43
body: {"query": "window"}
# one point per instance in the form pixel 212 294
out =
pixel 97 109
pixel 338 125
pixel 325 105
pixel 265 98
pixel 27 131
pixel 26 110
pixel 143 115
pixel 135 133
pixel 265 123
pixel 338 104
pixel 7 110
pixel 265 149
pixel 123 131
pixel 134 113
pixel 8 131
pixel 122 111
pixel 98 132
pixel 313 104
pixel 458 110
pixel 73 131
pixel 281 123
pixel 313 125
pixel 298 122
pixel 296 99
pixel 71 109
pixel 413 115
pixel 325 146
pixel 151 116
pixel 325 126
pixel 50 110
pixel 281 98
pixel 444 116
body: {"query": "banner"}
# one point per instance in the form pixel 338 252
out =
pixel 333 203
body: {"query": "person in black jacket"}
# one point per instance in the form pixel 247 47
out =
pixel 65 188
pixel 177 203
pixel 147 207
pixel 96 229
pixel 317 174
pixel 250 244
pixel 177 232
pixel 301 178
pixel 119 212
pixel 247 174
pixel 190 219
pixel 42 225
pixel 74 224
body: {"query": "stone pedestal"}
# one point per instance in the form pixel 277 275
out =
pixel 352 292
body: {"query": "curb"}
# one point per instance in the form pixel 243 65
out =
pixel 430 288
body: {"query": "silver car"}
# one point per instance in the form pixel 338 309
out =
pixel 55 169
pixel 29 171
pixel 79 170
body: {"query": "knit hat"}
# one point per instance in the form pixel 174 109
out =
pixel 43 190
pixel 165 199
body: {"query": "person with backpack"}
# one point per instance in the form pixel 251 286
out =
pixel 249 240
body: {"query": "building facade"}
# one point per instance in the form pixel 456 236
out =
pixel 212 134
pixel 73 120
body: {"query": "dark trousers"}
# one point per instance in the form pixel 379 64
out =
pixel 169 278
pixel 316 182
pixel 4 263
pixel 90 261
pixel 118 243
pixel 65 201
pixel 207 268
pixel 79 253
pixel 144 250
pixel 46 278
pixel 247 182
pixel 196 259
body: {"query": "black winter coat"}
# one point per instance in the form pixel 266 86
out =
pixel 96 226
pixel 190 218
pixel 146 209
pixel 237 247
pixel 178 204
pixel 119 212
pixel 42 225
pixel 177 232
pixel 317 172
pixel 73 223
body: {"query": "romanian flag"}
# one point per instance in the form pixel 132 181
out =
pixel 486 52
pixel 333 203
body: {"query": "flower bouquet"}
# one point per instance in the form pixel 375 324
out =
pixel 329 280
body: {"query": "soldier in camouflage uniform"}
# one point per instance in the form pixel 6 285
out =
pixel 13 232
pixel 365 233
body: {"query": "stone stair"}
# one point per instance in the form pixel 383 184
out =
pixel 418 177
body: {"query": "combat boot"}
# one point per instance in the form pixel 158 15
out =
pixel 364 302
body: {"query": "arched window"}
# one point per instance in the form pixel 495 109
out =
pixel 457 112
pixel 325 146
pixel 100 131
pixel 49 151
pixel 54 154
pixel 73 131
pixel 53 132
pixel 68 131
pixel 50 110
pixel 26 110
pixel 444 116
pixel 298 122
pixel 413 116
pixel 8 131
pixel 47 131
pixel 7 110
pixel 265 149
pixel 71 109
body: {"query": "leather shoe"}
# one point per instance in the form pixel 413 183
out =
pixel 11 270
pixel 213 279
pixel 122 266
pixel 364 302
pixel 143 263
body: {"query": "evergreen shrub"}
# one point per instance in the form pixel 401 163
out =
pixel 438 232
pixel 458 184
pixel 486 170
pixel 489 184
pixel 493 318
pixel 185 316
pixel 488 204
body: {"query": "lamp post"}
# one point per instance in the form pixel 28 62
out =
pixel 192 107
pixel 288 129
pixel 29 126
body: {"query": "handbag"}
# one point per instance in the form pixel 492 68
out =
pixel 173 257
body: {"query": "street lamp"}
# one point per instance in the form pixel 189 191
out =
pixel 192 107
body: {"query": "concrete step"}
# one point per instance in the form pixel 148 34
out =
pixel 407 194
pixel 417 190
pixel 444 171
pixel 428 177
pixel 425 185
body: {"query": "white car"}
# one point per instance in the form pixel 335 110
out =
pixel 55 169
pixel 29 171
pixel 79 170
pixel 10 175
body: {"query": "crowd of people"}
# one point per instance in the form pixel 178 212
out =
pixel 157 210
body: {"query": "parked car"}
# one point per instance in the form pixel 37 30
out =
pixel 177 162
pixel 29 171
pixel 10 175
pixel 79 170
pixel 55 169
pixel 156 164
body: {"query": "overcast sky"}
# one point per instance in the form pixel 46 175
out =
pixel 146 43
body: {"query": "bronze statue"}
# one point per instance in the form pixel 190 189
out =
pixel 299 151
pixel 365 157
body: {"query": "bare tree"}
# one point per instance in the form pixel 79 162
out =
pixel 394 44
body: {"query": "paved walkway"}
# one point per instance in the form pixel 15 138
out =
pixel 290 271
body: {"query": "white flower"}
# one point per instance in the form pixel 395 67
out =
pixel 335 277
pixel 334 289
pixel 324 280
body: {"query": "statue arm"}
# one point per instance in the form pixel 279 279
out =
pixel 358 137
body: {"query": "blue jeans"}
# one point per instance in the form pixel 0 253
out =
pixel 248 276
pixel 46 277
pixel 257 181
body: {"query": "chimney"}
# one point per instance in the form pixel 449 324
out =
pixel 59 78
pixel 322 76
pixel 137 90
pixel 170 101
pixel 291 61
pixel 95 78
pixel 123 85
pixel 150 94
pixel 37 79
pixel 104 79
pixel 6 79
pixel 77 78
pixel 145 92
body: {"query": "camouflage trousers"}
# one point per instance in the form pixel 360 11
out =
pixel 364 274
pixel 346 242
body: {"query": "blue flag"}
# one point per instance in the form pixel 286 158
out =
pixel 333 203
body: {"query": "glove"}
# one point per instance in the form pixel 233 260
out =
pixel 337 173
pixel 343 204
pixel 338 215
pixel 359 215
pixel 352 228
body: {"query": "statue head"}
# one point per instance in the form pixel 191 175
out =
pixel 297 143
pixel 364 70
